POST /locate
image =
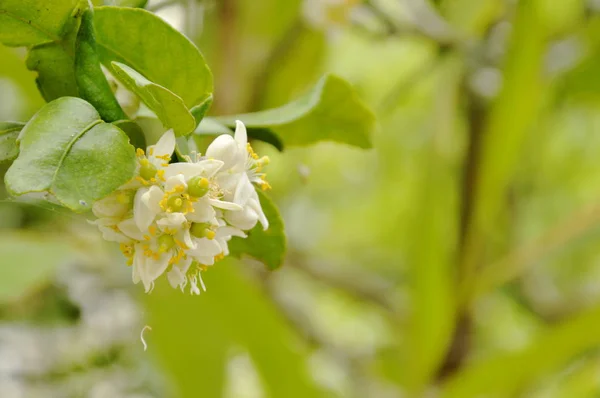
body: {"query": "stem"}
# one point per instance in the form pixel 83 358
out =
pixel 577 225
pixel 281 49
pixel 226 80
pixel 461 340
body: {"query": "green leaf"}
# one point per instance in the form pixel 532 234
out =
pixel 432 255
pixel 331 111
pixel 67 151
pixel 125 3
pixel 133 131
pixel 200 110
pixel 55 63
pixel 210 126
pixel 28 260
pixel 9 131
pixel 169 108
pixel 162 55
pixel 266 246
pixel 31 22
pixel 503 375
pixel 192 338
pixel 92 84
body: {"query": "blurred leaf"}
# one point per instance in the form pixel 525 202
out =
pixel 169 108
pixel 31 22
pixel 211 126
pixel 560 16
pixel 510 118
pixel 164 56
pixel 27 261
pixel 582 83
pixel 66 150
pixel 432 255
pixel 266 246
pixel 331 111
pixel 472 18
pixel 505 374
pixel 292 66
pixel 9 131
pixel 92 84
pixel 192 334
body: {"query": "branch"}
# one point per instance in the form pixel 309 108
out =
pixel 515 263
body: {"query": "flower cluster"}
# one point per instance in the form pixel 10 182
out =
pixel 178 217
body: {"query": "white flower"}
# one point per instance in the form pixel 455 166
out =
pixel 241 168
pixel 177 218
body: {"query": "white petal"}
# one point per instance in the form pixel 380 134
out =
pixel 203 212
pixel 139 264
pixel 175 277
pixel 110 206
pixel 184 236
pixel 229 231
pixel 172 221
pixel 225 148
pixel 244 190
pixel 129 227
pixel 245 219
pixel 228 182
pixel 152 199
pixel 111 235
pixel 146 206
pixel 255 205
pixel 240 134
pixel 166 144
pixel 140 210
pixel 155 268
pixel 205 248
pixel 175 181
pixel 225 205
pixel 205 260
pixel 210 166
pixel 204 168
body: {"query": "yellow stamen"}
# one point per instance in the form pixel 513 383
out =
pixel 140 152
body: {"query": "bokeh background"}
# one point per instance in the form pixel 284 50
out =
pixel 460 257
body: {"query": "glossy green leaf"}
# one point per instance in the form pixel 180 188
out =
pixel 167 106
pixel 67 151
pixel 9 131
pixel 266 246
pixel 503 375
pixel 162 55
pixel 55 62
pixel 92 84
pixel 28 260
pixel 331 111
pixel 32 22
